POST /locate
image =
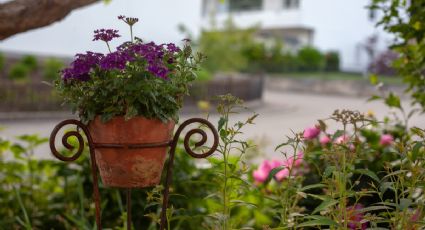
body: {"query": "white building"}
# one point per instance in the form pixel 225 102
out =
pixel 276 18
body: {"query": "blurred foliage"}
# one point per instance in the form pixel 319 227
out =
pixel 51 69
pixel 310 59
pixel 2 61
pixel 30 61
pixel 19 72
pixel 232 49
pixel 332 61
pixel 406 21
pixel 224 48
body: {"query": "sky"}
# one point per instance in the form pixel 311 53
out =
pixel 339 25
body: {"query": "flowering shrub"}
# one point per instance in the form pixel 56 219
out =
pixel 138 78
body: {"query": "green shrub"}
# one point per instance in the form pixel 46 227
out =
pixel 2 60
pixel 51 69
pixel 332 61
pixel 19 71
pixel 203 75
pixel 30 62
pixel 310 59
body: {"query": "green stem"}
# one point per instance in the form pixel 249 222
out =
pixel 131 33
pixel 109 48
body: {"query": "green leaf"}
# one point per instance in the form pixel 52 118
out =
pixel 405 203
pixel 368 173
pixel 273 172
pixel 221 123
pixel 373 79
pixel 312 186
pixel 325 205
pixel 393 101
pixel 322 221
pixel 415 150
pixel 329 170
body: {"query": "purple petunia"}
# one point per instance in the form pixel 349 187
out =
pixel 81 66
pixel 105 35
pixel 115 60
pixel 172 48
pixel 158 70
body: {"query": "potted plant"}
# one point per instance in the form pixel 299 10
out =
pixel 127 97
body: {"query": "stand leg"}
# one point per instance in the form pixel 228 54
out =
pixel 129 209
pixel 96 194
pixel 167 187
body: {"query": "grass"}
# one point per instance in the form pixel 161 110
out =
pixel 391 80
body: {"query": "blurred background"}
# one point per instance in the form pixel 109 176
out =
pixel 292 61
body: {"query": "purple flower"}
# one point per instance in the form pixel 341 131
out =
pixel 81 66
pixel 172 48
pixel 105 35
pixel 158 70
pixel 115 60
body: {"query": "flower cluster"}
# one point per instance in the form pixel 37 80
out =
pixel 312 133
pixel 82 65
pixel 289 167
pixel 105 35
pixel 155 58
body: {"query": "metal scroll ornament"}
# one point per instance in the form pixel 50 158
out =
pixel 94 170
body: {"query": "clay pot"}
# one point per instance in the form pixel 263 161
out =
pixel 130 167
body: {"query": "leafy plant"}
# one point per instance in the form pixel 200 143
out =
pixel 405 20
pixel 30 61
pixel 52 68
pixel 18 72
pixel 2 61
pixel 332 61
pixel 138 79
pixel 310 59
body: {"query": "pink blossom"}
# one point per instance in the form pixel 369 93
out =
pixel 299 159
pixel 355 218
pixel 311 133
pixel 325 140
pixel 260 175
pixel 342 139
pixel 386 139
pixel 282 174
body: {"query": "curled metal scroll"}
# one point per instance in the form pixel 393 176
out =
pixel 186 142
pixel 199 131
pixel 75 156
pixel 65 140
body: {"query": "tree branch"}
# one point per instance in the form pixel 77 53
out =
pixel 22 15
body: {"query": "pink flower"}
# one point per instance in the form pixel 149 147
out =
pixel 325 140
pixel 386 139
pixel 299 159
pixel 282 174
pixel 355 218
pixel 311 133
pixel 260 175
pixel 342 139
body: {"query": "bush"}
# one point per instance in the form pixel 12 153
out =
pixel 2 60
pixel 30 62
pixel 310 59
pixel 332 61
pixel 52 66
pixel 383 64
pixel 19 72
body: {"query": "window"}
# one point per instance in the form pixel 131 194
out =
pixel 245 5
pixel 291 4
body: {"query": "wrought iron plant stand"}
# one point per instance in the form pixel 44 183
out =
pixel 172 144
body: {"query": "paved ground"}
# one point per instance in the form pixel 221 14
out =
pixel 280 113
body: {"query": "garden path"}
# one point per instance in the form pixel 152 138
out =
pixel 279 113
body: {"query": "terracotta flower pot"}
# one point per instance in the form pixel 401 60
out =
pixel 130 167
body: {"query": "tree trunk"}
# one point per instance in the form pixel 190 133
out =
pixel 22 15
